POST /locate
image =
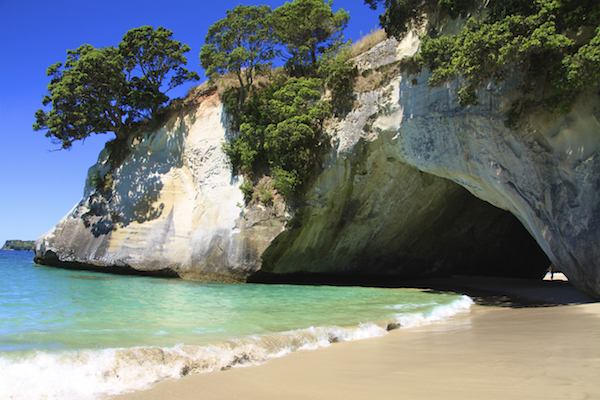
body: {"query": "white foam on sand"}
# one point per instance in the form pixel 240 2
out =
pixel 89 374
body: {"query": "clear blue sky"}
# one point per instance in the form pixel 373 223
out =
pixel 39 186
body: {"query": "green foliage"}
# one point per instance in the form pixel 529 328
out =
pixel 294 124
pixel 578 71
pixel 281 130
pixel 340 75
pixel 265 192
pixel 21 245
pixel 456 8
pixel 242 43
pixel 401 15
pixel 247 187
pixel 103 184
pixel 286 182
pixel 151 56
pixel 280 123
pixel 109 89
pixel 96 180
pixel 309 30
pixel 87 96
pixel 543 40
pixel 537 44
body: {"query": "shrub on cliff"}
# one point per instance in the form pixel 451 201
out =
pixel 554 45
pixel 401 15
pixel 281 130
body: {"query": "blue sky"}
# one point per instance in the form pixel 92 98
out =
pixel 38 186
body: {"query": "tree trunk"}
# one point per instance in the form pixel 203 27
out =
pixel 242 89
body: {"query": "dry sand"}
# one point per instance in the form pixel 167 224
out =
pixel 523 340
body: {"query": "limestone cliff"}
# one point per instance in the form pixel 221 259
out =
pixel 172 208
pixel 392 202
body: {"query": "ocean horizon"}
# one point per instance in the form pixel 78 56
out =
pixel 67 334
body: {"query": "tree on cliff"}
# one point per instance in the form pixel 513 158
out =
pixel 309 30
pixel 280 122
pixel 108 89
pixel 242 44
pixel 554 46
pixel 150 57
pixel 400 15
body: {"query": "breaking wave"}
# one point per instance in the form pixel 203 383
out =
pixel 88 374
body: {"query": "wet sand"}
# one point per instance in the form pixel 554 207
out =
pixel 522 340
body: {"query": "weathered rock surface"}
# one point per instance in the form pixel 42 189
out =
pixel 546 173
pixel 173 210
pixel 388 204
pixel 372 218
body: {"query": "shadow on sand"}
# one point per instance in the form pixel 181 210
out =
pixel 507 292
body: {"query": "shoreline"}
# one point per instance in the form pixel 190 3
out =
pixel 521 340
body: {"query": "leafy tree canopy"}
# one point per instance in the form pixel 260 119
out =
pixel 400 15
pixel 151 56
pixel 309 29
pixel 280 121
pixel 242 43
pixel 108 89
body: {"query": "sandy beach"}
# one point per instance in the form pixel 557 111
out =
pixel 522 340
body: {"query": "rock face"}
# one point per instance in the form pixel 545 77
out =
pixel 546 174
pixel 172 209
pixel 392 202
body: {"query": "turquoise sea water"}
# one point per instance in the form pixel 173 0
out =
pixel 76 334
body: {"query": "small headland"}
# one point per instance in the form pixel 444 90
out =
pixel 22 245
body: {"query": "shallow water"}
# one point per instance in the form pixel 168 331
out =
pixel 112 333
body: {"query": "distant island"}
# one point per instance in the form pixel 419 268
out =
pixel 26 245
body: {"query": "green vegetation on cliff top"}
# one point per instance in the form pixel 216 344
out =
pixel 553 45
pixel 23 245
pixel 280 118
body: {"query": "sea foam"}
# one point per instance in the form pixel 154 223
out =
pixel 89 374
pixel 410 320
